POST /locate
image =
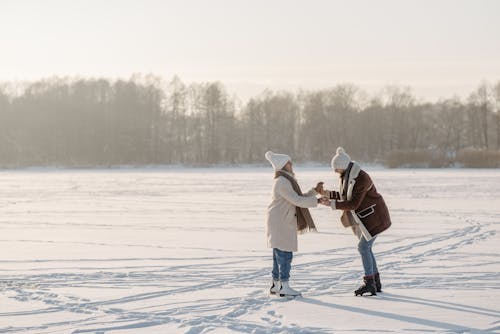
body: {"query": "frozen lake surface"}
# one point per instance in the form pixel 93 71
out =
pixel 184 251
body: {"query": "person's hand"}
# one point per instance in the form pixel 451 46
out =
pixel 325 201
pixel 319 188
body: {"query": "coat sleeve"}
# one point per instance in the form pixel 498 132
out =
pixel 285 190
pixel 311 192
pixel 361 187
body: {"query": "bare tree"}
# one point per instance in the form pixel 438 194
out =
pixel 480 104
pixel 98 122
pixel 496 96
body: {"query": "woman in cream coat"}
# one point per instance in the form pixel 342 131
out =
pixel 282 223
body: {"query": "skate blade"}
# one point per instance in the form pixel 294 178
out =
pixel 362 294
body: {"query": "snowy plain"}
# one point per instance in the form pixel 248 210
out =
pixel 183 251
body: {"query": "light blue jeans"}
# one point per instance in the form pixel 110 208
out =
pixel 367 257
pixel 282 263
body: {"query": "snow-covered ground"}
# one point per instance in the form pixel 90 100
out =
pixel 183 251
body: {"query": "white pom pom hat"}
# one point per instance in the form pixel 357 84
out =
pixel 340 160
pixel 277 160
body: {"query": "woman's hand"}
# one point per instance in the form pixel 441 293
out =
pixel 319 188
pixel 324 201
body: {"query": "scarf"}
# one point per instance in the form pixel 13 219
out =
pixel 350 218
pixel 344 182
pixel 304 220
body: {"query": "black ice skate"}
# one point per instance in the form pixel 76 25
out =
pixel 369 286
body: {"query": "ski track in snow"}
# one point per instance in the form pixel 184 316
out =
pixel 165 289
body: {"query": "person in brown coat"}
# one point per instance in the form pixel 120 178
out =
pixel 364 210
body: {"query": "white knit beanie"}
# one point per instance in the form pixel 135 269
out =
pixel 277 160
pixel 340 160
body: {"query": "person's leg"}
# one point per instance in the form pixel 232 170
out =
pixel 374 262
pixel 284 262
pixel 275 284
pixel 378 283
pixel 276 269
pixel 375 268
pixel 287 266
pixel 367 258
pixel 365 250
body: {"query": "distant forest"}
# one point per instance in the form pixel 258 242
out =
pixel 73 122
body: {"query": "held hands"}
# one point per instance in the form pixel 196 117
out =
pixel 324 201
pixel 320 190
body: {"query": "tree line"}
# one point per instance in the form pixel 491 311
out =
pixel 74 122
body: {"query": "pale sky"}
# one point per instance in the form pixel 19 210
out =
pixel 438 47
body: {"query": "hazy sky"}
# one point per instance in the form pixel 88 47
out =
pixel 437 47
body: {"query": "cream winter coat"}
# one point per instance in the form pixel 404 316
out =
pixel 281 217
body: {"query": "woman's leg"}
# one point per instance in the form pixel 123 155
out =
pixel 376 274
pixel 276 269
pixel 285 264
pixel 375 268
pixel 367 257
pixel 369 265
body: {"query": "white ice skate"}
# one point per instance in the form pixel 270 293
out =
pixel 275 287
pixel 287 291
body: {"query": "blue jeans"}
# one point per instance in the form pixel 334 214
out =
pixel 367 257
pixel 282 262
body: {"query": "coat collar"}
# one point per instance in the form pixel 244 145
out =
pixel 353 174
